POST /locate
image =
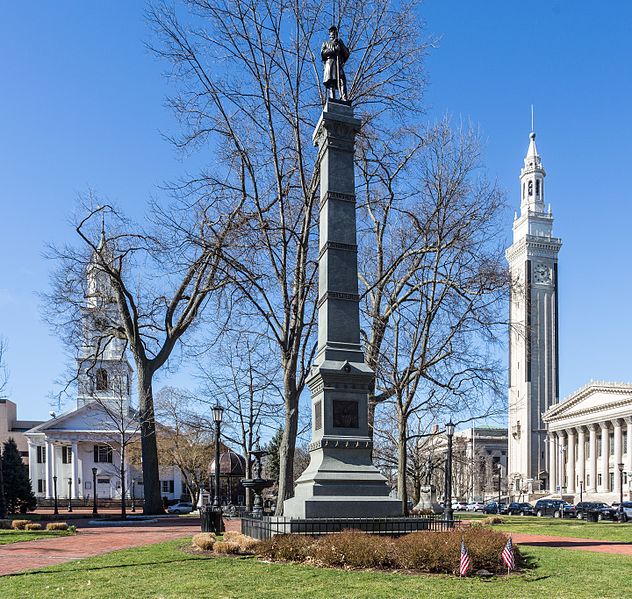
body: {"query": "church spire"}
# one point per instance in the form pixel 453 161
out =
pixel 532 180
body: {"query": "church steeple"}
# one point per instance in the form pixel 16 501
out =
pixel 532 180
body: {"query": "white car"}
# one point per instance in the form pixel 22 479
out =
pixel 182 507
pixel 475 506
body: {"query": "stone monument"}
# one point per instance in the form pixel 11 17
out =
pixel 341 480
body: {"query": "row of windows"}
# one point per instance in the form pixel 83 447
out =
pixel 102 454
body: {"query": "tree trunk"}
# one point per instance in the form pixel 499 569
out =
pixel 402 461
pixel 149 445
pixel 288 442
pixel 122 474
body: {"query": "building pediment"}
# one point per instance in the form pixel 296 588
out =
pixel 92 417
pixel 591 403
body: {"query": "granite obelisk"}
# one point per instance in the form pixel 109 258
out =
pixel 341 480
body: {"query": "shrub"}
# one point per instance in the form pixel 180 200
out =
pixel 57 526
pixel 5 524
pixel 289 548
pixel 491 520
pixel 246 544
pixel 33 526
pixel 19 524
pixel 204 540
pixel 354 549
pixel 226 547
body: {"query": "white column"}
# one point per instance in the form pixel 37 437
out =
pixel 628 468
pixel 50 457
pixel 552 462
pixel 592 458
pixel 75 470
pixel 561 452
pixel 581 456
pixel 605 457
pixel 618 454
pixel 570 463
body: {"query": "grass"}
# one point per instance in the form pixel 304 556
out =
pixel 16 536
pixel 165 570
pixel 599 531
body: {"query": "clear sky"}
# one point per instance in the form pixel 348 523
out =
pixel 82 106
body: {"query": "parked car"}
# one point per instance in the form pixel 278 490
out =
pixel 554 507
pixel 626 509
pixel 182 507
pixel 520 509
pixel 604 511
pixel 459 505
pixel 492 508
pixel 475 506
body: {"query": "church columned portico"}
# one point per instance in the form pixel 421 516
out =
pixel 590 434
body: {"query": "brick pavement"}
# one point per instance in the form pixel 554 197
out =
pixel 90 541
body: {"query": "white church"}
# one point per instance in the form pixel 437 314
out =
pixel 63 451
pixel 583 444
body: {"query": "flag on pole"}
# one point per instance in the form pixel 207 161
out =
pixel 465 565
pixel 508 556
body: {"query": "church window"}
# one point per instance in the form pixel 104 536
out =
pixel 530 188
pixel 523 190
pixel 41 486
pixel 102 379
pixel 41 454
pixel 102 454
pixel 66 454
pixel 537 187
pixel 599 480
pixel 611 477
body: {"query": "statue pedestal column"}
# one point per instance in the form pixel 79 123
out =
pixel 341 480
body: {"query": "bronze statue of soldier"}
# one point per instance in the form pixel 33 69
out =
pixel 335 54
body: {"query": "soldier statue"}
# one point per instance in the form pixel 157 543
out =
pixel 335 54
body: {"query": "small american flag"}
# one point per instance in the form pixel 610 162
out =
pixel 508 555
pixel 465 565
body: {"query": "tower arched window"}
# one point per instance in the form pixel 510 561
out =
pixel 537 187
pixel 523 191
pixel 102 379
pixel 530 188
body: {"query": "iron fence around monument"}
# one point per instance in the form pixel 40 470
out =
pixel 265 527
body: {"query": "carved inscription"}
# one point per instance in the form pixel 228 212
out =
pixel 349 297
pixel 318 415
pixel 345 413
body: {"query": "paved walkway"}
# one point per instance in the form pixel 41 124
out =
pixel 572 543
pixel 90 541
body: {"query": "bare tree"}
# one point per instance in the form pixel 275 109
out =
pixel 249 74
pixel 159 279
pixel 185 438
pixel 435 280
pixel 244 378
pixel 4 371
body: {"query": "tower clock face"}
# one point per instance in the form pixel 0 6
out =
pixel 542 274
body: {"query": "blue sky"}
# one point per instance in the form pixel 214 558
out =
pixel 82 105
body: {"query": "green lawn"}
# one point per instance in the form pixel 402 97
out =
pixel 166 571
pixel 602 531
pixel 15 536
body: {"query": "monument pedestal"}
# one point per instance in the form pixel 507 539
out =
pixel 341 480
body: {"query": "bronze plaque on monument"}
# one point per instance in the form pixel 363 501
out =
pixel 345 413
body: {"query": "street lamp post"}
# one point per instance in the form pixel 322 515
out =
pixel 621 511
pixel 70 494
pixel 56 510
pixel 581 491
pixel 94 487
pixel 218 412
pixel 500 472
pixel 133 495
pixel 449 429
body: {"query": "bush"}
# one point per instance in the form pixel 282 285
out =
pixel 491 520
pixel 204 540
pixel 33 526
pixel 287 548
pixel 57 526
pixel 354 549
pixel 19 524
pixel 5 524
pixel 226 547
pixel 433 552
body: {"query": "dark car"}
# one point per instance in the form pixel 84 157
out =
pixel 603 510
pixel 554 507
pixel 491 507
pixel 520 509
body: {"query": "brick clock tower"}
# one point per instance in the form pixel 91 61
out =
pixel 533 331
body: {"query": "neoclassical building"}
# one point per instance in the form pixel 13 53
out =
pixel 590 435
pixel 533 331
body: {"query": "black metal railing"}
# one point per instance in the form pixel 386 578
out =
pixel 265 527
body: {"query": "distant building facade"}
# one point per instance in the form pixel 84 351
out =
pixel 12 428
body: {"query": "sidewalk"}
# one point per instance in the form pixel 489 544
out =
pixel 91 541
pixel 615 547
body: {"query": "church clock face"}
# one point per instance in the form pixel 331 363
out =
pixel 542 274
